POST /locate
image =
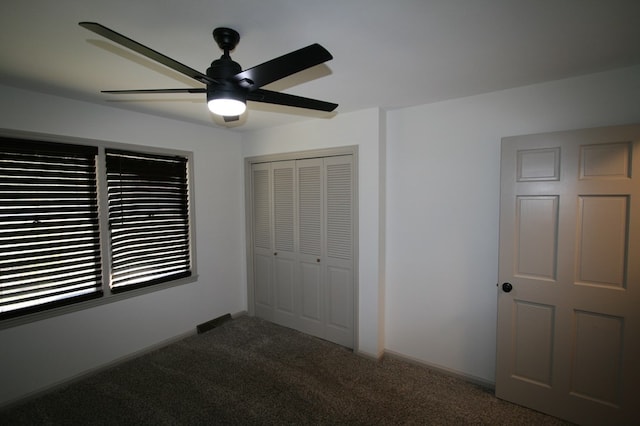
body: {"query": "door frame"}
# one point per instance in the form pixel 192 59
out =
pixel 248 208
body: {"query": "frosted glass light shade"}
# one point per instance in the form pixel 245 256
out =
pixel 226 107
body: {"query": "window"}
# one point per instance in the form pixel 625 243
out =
pixel 52 227
pixel 148 218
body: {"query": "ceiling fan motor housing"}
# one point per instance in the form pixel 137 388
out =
pixel 221 70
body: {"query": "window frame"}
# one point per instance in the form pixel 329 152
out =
pixel 108 295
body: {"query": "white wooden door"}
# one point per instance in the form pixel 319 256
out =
pixel 568 333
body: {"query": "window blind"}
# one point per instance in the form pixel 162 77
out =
pixel 148 218
pixel 49 231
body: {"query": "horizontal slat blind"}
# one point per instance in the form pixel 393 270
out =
pixel 49 233
pixel 148 218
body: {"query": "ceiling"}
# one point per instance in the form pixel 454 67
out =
pixel 387 54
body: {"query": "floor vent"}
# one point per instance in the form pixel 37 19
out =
pixel 206 326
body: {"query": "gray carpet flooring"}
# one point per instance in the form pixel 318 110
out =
pixel 252 372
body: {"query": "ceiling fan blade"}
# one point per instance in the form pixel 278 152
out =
pixel 271 97
pixel 146 51
pixel 283 66
pixel 199 90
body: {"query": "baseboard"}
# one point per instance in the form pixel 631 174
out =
pixel 444 370
pixel 369 356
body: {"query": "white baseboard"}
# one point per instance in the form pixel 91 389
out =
pixel 464 376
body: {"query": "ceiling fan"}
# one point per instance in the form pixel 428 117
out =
pixel 227 86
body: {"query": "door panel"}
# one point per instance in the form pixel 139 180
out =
pixel 311 290
pixel 310 226
pixel 263 274
pixel 536 236
pixel 338 285
pixel 569 330
pixel 262 241
pixel 602 234
pixel 533 342
pixel 339 265
pixel 596 361
pixel 284 285
pixel 284 255
pixel 311 230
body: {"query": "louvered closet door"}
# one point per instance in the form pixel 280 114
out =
pixel 338 265
pixel 311 297
pixel 263 297
pixel 303 245
pixel 285 251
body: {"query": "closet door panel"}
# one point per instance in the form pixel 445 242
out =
pixel 284 285
pixel 284 255
pixel 339 283
pixel 311 291
pixel 310 224
pixel 311 240
pixel 262 241
pixel 339 208
pixel 263 273
pixel 339 300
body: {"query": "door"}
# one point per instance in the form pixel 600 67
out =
pixel 303 253
pixel 568 333
pixel 325 229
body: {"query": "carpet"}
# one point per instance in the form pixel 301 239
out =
pixel 251 372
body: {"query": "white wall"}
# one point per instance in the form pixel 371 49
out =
pixel 443 169
pixel 39 354
pixel 361 128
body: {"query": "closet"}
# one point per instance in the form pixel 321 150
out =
pixel 302 238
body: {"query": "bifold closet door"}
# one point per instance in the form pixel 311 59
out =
pixel 274 242
pixel 303 245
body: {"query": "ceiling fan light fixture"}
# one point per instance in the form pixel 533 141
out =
pixel 228 87
pixel 226 104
